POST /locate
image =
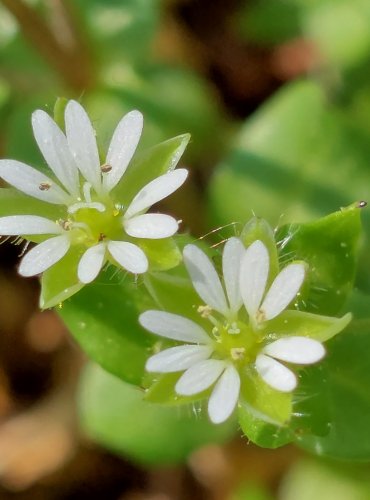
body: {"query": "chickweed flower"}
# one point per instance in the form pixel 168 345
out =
pixel 245 326
pixel 84 188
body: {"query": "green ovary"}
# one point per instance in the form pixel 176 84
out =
pixel 237 342
pixel 88 226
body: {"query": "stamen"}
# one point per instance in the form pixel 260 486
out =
pixel 106 168
pixel 87 191
pixel 44 186
pixel 260 316
pixel 216 332
pixel 102 237
pixel 65 224
pixel 205 311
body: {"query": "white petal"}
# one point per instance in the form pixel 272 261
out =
pixel 231 259
pixel 82 143
pixel 254 272
pixel 178 358
pixel 156 190
pixel 283 290
pixel 53 145
pixel 122 147
pixel 275 374
pixel 199 377
pixel 91 263
pixel 129 256
pixel 300 350
pixel 173 326
pixel 32 182
pixel 224 396
pixel 44 255
pixel 205 278
pixel 28 224
pixel 152 226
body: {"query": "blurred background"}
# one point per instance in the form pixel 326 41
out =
pixel 276 95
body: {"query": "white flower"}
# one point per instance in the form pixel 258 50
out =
pixel 91 217
pixel 218 357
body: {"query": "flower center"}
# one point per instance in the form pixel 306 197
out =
pixel 236 341
pixel 90 222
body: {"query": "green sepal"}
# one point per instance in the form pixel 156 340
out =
pixel 148 165
pixel 14 202
pixel 330 247
pixel 60 281
pixel 303 324
pixel 260 432
pixel 58 112
pixel 259 229
pixel 173 292
pixel 162 391
pixel 273 406
pixel 162 254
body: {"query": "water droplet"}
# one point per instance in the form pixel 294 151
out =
pixel 362 204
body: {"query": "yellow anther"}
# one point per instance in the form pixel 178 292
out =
pixel 204 311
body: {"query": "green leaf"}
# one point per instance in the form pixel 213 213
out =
pixel 346 374
pixel 162 254
pixel 311 412
pixel 173 292
pixel 330 247
pixel 325 23
pixel 298 157
pixel 120 31
pixel 60 281
pixel 148 165
pixel 103 318
pixel 257 22
pixel 268 159
pixel 115 415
